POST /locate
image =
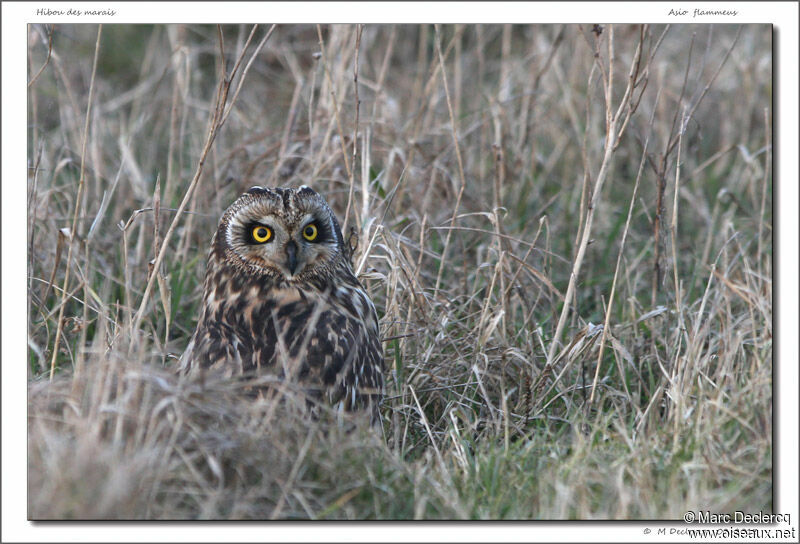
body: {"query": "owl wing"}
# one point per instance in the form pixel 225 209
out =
pixel 215 346
pixel 338 352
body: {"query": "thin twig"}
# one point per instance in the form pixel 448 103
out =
pixel 47 60
pixel 335 101
pixel 607 320
pixel 247 66
pixel 73 235
pixel 215 124
pixel 458 158
pixel 612 122
pixel 352 171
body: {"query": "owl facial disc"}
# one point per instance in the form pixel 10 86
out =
pixel 286 234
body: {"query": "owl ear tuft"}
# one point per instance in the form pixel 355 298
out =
pixel 257 190
pixel 305 190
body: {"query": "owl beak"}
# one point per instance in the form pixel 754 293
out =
pixel 291 257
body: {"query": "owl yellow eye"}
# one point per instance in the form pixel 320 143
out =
pixel 310 232
pixel 261 234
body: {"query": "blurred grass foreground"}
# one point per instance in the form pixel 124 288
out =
pixel 566 229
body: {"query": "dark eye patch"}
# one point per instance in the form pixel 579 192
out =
pixel 258 234
pixel 324 233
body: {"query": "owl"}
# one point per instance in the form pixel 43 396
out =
pixel 280 299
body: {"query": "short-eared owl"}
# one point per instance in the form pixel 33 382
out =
pixel 280 298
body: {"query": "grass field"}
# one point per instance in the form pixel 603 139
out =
pixel 566 230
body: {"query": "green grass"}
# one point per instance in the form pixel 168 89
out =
pixel 495 407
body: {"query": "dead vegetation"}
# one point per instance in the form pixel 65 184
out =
pixel 567 231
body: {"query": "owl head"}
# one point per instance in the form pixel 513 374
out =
pixel 285 234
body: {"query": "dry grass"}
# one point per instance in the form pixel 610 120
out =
pixel 568 238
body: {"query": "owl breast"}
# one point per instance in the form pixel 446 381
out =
pixel 325 340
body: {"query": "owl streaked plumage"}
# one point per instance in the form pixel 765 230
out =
pixel 280 299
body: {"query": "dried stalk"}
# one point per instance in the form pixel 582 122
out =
pixel 613 120
pixel 458 158
pixel 73 234
pixel 218 117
